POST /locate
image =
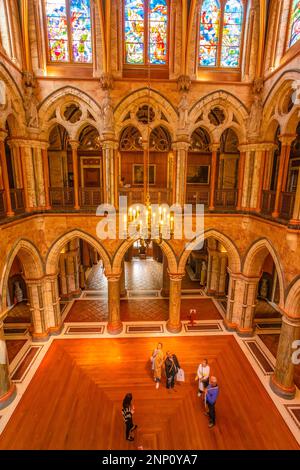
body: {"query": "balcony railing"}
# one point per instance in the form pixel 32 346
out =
pixel 287 201
pixel 197 197
pixel 268 202
pixel 136 195
pixel 226 198
pixel 61 197
pixel 90 198
pixel 17 200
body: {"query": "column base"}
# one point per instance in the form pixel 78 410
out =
pixel 284 392
pixel 56 330
pixel 77 208
pixel 10 214
pixel 40 337
pixel 229 326
pixel 294 222
pixel 245 332
pixel 123 294
pixel 275 215
pixel 6 399
pixel 115 328
pixel 174 328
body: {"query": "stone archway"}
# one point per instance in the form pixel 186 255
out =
pixel 31 261
pixel 252 263
pixel 292 304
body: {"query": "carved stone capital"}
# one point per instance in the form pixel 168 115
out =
pixel 184 83
pixel 106 81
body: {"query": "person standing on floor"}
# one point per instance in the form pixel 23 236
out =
pixel 158 361
pixel 172 366
pixel 212 393
pixel 202 376
pixel 127 411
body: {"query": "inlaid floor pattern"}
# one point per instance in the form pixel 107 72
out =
pixel 74 400
pixel 140 310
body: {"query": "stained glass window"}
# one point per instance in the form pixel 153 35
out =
pixel 232 34
pixel 209 33
pixel 295 23
pixel 69 30
pixel 146 31
pixel 221 24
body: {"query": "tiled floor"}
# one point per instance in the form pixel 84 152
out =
pixel 13 347
pixel 272 341
pixel 20 313
pixel 140 310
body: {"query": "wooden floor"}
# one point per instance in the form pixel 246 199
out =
pixel 74 400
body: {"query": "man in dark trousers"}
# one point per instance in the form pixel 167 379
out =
pixel 172 366
pixel 212 393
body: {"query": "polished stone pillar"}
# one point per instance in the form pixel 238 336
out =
pixel 215 273
pixel 286 141
pixel 240 180
pixel 63 276
pixel 181 147
pixel 114 325
pixel 296 211
pixel 28 174
pixel 52 304
pixel 46 178
pixel 74 146
pixel 123 291
pixel 282 382
pixel 109 151
pixel 38 314
pixel 222 274
pixel 7 388
pixel 213 180
pixel 166 279
pixel 9 211
pixel 174 324
pixel 82 279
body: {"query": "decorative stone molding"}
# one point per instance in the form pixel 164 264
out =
pixel 106 81
pixel 184 83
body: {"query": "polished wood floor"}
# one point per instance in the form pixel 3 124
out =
pixel 74 399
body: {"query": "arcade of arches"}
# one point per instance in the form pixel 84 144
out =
pixel 206 110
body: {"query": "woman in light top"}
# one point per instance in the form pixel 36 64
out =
pixel 202 376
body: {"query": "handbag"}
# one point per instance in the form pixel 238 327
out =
pixel 180 375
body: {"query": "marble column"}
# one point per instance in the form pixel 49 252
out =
pixel 7 388
pixel 74 146
pixel 241 304
pixel 123 291
pixel 240 180
pixel 109 151
pixel 52 304
pixel 37 308
pixel 181 148
pixel 213 177
pixel 46 178
pixel 114 325
pixel 166 279
pixel 286 141
pixel 82 279
pixel 296 211
pixel 174 324
pixel 29 175
pixel 282 381
pixel 9 211
pixel 222 274
pixel 63 276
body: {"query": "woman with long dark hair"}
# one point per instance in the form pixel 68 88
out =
pixel 127 411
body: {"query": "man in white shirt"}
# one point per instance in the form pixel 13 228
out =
pixel 203 373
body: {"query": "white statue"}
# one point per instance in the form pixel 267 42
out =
pixel 183 108
pixel 255 117
pixel 18 293
pixel 108 114
pixel 203 274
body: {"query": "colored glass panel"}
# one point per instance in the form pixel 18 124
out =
pixel 134 32
pixel 80 16
pixel 57 30
pixel 158 24
pixel 295 23
pixel 232 32
pixel 209 33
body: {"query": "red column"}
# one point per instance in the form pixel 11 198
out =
pixel 74 145
pixel 213 177
pixel 241 180
pixel 9 211
pixel 283 163
pixel 46 177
